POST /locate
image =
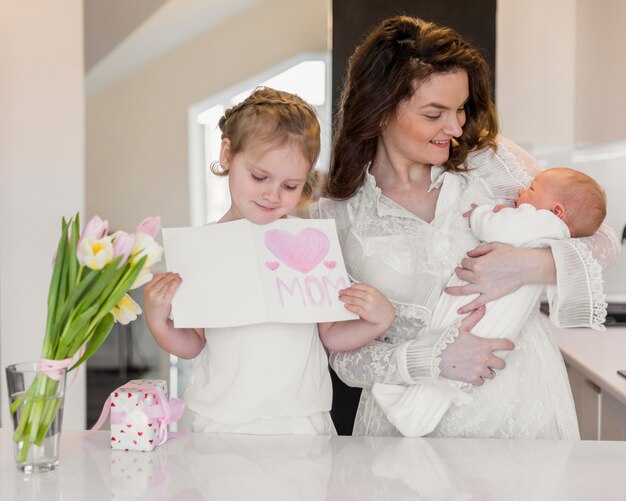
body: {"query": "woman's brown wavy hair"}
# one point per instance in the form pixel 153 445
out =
pixel 395 57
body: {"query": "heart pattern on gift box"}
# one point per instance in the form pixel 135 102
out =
pixel 301 252
pixel 131 429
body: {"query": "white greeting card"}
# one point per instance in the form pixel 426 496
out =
pixel 240 273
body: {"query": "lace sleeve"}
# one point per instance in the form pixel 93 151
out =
pixel 399 363
pixel 604 246
pixel 376 362
pixel 577 299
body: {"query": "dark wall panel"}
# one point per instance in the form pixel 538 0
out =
pixel 352 19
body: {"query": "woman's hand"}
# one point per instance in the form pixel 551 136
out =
pixel 495 270
pixel 470 358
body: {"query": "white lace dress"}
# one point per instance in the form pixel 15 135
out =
pixel 410 261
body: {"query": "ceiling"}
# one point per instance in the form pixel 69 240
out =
pixel 121 35
pixel 108 22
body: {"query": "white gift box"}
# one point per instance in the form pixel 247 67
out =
pixel 131 428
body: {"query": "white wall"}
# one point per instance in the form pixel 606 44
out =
pixel 41 170
pixel 535 66
pixel 600 71
pixel 560 72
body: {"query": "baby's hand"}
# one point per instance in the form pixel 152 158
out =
pixel 499 207
pixel 468 214
pixel 157 296
pixel 369 304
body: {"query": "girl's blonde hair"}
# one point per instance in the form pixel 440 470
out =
pixel 277 118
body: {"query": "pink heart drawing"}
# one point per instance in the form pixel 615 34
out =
pixel 330 264
pixel 272 265
pixel 302 252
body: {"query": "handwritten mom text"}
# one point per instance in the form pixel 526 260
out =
pixel 304 252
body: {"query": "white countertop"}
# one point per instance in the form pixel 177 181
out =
pixel 300 468
pixel 597 355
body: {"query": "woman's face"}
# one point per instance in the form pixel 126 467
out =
pixel 422 126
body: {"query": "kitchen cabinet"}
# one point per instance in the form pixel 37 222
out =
pixel 592 360
pixel 587 398
pixel 613 419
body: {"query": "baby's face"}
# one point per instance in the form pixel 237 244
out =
pixel 541 193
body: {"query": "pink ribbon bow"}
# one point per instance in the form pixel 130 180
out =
pixel 54 368
pixel 164 411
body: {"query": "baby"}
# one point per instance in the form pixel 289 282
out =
pixel 559 203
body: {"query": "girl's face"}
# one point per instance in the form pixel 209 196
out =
pixel 422 127
pixel 265 182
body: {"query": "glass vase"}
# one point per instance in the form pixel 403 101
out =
pixel 36 405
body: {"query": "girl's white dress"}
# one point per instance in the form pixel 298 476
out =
pixel 410 261
pixel 269 379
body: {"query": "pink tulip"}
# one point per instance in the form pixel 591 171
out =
pixel 123 245
pixel 96 228
pixel 149 226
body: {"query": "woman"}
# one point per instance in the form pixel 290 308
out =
pixel 416 143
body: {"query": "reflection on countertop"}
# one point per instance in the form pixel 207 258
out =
pixel 238 467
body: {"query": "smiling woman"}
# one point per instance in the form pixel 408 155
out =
pixel 416 144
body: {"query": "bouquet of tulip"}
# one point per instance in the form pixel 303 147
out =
pixel 92 274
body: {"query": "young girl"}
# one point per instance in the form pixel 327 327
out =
pixel 265 378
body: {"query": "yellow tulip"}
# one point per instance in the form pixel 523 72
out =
pixel 95 253
pixel 145 245
pixel 143 278
pixel 126 310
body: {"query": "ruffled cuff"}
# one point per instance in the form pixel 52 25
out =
pixel 577 300
pixel 423 355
